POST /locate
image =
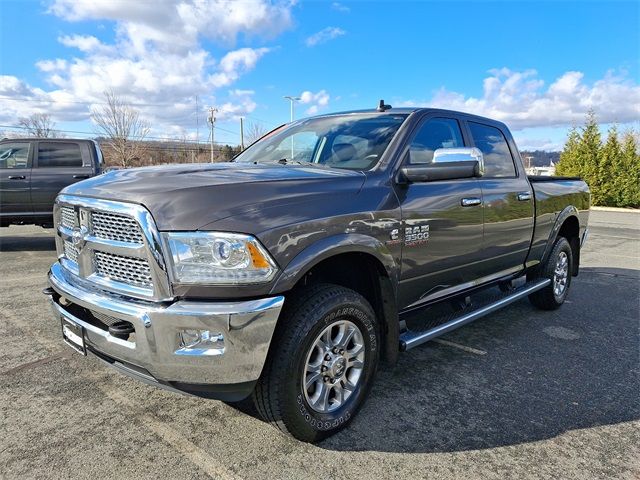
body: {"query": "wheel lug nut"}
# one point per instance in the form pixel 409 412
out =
pixel 327 357
pixel 326 379
pixel 341 351
pixel 324 369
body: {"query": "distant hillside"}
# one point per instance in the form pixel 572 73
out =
pixel 539 158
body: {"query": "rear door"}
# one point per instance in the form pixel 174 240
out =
pixel 507 198
pixel 15 177
pixel 442 236
pixel 58 164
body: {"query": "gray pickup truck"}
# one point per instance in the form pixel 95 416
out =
pixel 284 277
pixel 34 170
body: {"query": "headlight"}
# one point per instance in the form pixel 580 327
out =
pixel 218 258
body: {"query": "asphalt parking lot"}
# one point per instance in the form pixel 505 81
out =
pixel 519 394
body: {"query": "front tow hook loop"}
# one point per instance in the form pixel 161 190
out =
pixel 48 291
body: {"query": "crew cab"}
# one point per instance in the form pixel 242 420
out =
pixel 34 170
pixel 284 277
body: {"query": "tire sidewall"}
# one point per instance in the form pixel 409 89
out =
pixel 314 423
pixel 562 245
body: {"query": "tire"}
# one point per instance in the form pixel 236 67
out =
pixel 557 268
pixel 297 353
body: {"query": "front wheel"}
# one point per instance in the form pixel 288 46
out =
pixel 557 268
pixel 321 363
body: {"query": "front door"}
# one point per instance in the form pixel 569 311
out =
pixel 15 177
pixel 442 237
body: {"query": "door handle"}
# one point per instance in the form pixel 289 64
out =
pixel 470 202
pixel 524 197
pixel 17 177
pixel 81 176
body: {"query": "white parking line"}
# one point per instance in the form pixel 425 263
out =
pixel 198 456
pixel 464 348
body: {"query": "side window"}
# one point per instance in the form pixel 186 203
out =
pixel 436 133
pixel 59 154
pixel 498 161
pixel 14 155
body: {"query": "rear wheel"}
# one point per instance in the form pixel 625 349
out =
pixel 321 363
pixel 557 268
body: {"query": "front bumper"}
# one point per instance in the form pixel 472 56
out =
pixel 153 353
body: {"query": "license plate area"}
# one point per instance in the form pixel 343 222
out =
pixel 73 335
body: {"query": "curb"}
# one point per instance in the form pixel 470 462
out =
pixel 615 209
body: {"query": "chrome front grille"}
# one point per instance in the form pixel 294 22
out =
pixel 129 270
pixel 68 217
pixel 115 227
pixel 111 244
pixel 70 251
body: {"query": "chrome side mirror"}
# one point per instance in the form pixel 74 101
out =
pixel 454 155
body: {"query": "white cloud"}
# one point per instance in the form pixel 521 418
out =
pixel 235 63
pixel 241 105
pixel 340 7
pixel 156 61
pixel 84 43
pixel 316 101
pixel 521 100
pixel 324 36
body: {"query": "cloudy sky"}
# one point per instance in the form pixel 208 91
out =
pixel 539 66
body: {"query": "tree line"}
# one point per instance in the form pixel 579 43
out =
pixel 611 167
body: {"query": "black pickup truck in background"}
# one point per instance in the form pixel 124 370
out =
pixel 288 274
pixel 33 171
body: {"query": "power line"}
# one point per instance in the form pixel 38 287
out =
pixel 94 134
pixel 75 102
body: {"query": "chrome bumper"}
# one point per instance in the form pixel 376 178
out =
pixel 246 326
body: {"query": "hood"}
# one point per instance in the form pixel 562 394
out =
pixel 187 197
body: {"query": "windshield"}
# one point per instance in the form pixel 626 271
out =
pixel 352 141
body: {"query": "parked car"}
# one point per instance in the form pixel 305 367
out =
pixel 284 277
pixel 34 170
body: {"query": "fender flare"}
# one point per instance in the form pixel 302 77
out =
pixel 387 284
pixel 567 212
pixel 330 247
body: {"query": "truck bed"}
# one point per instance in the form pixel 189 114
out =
pixel 552 195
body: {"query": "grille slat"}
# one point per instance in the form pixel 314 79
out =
pixel 113 226
pixel 119 268
pixel 71 252
pixel 68 217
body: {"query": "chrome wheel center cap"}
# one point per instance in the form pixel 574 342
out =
pixel 337 366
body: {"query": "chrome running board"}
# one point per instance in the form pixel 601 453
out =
pixel 410 339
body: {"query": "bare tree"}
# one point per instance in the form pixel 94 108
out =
pixel 39 125
pixel 123 128
pixel 254 131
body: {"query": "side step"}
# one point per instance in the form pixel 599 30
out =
pixel 410 339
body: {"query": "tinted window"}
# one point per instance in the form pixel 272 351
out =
pixel 14 155
pixel 436 133
pixel 59 154
pixel 497 156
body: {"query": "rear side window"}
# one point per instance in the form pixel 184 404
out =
pixel 498 161
pixel 59 154
pixel 434 134
pixel 14 155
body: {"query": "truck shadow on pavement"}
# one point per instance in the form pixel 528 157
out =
pixel 543 374
pixel 27 243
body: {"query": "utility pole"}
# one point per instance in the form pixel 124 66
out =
pixel 241 134
pixel 212 121
pixel 292 100
pixel 197 122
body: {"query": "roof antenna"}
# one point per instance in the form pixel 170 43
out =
pixel 383 106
